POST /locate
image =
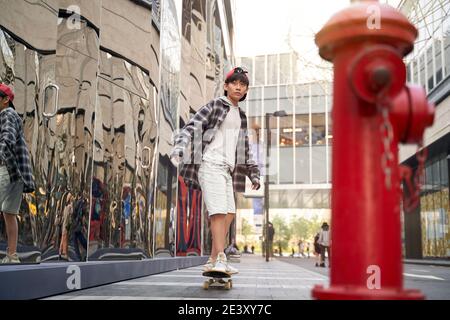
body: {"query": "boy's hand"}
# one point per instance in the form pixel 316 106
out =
pixel 256 185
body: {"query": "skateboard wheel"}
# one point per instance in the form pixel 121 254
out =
pixel 206 285
pixel 228 286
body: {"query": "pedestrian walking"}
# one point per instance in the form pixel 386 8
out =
pixel 317 249
pixel 16 175
pixel 219 160
pixel 324 242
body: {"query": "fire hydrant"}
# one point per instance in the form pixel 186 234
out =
pixel 373 111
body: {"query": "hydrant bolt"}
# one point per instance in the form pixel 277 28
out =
pixel 381 78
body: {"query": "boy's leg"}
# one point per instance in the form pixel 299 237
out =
pixel 218 221
pixel 228 221
pixel 12 231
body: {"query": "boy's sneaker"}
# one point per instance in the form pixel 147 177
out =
pixel 221 264
pixel 231 270
pixel 209 265
pixel 11 259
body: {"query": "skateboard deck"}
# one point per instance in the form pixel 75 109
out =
pixel 217 279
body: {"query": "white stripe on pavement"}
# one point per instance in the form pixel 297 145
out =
pixel 422 276
pixel 169 275
pixel 197 284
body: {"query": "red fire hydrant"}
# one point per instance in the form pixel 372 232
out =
pixel 373 111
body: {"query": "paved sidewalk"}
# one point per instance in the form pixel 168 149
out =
pixel 257 279
pixel 428 262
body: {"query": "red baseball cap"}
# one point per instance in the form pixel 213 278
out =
pixel 8 92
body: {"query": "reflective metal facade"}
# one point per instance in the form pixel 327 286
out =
pixel 101 87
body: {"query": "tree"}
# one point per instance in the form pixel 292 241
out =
pixel 283 233
pixel 303 228
pixel 246 229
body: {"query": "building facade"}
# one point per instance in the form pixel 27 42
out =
pixel 426 224
pixel 101 87
pixel 300 143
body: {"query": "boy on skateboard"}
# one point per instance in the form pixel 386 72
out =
pixel 219 160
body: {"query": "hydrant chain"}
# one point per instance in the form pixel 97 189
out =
pixel 387 132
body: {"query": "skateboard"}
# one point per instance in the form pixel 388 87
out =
pixel 217 279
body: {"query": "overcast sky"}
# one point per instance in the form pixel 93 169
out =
pixel 263 26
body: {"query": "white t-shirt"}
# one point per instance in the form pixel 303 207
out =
pixel 222 149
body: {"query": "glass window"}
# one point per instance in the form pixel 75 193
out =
pixel 247 64
pixel 254 128
pixel 435 175
pixel 287 99
pixel 302 165
pixel 430 70
pixel 408 72
pixel 302 98
pixel 286 132
pixel 446 36
pixel 285 68
pixel 415 72
pixel 444 173
pixel 438 59
pixel 318 129
pixel 260 72
pixel 301 130
pixel 422 70
pixel 287 167
pixel 270 99
pixel 330 129
pixel 447 51
pixel 319 173
pixel 255 102
pixel 272 69
pixel 330 164
pixel 318 91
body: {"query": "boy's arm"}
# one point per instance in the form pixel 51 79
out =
pixel 198 123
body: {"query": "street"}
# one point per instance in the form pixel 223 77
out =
pixel 283 278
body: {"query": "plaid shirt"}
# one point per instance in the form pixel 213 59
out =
pixel 200 131
pixel 13 149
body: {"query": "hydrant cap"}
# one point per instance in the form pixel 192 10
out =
pixel 366 21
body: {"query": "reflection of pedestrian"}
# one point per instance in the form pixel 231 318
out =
pixel 78 227
pixel 16 175
pixel 67 216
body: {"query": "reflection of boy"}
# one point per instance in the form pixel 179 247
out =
pixel 16 175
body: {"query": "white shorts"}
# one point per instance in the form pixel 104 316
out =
pixel 217 188
pixel 10 193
